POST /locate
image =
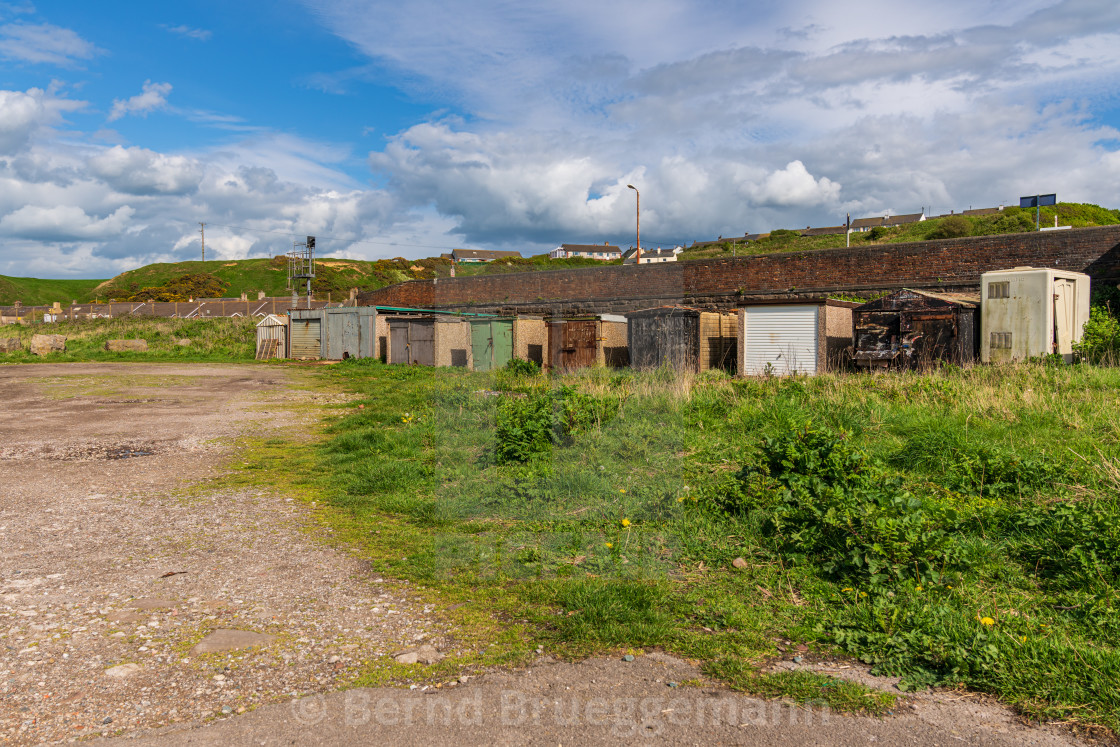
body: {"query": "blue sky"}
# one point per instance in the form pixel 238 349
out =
pixel 400 128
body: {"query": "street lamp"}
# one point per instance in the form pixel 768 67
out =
pixel 638 222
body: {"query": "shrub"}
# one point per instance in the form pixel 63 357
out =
pixel 518 367
pixel 827 500
pixel 878 232
pixel 1100 340
pixel 531 425
pixel 953 227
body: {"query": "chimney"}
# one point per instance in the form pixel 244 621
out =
pixel 260 295
pixel 244 296
pixel 353 293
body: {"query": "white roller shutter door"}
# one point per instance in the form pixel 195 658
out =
pixel 780 340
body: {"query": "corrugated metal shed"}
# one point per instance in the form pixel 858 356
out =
pixel 683 338
pixel 333 333
pixel 917 329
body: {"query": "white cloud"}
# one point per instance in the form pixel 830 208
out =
pixel 23 113
pixel 153 96
pixel 64 223
pixel 140 171
pixel 45 44
pixel 795 186
pixel 191 33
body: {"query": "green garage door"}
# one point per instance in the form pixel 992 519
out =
pixel 491 343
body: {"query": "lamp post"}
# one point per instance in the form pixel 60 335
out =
pixel 637 222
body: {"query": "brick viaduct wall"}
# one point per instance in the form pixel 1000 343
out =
pixel 947 265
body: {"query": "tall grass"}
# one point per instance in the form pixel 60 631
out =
pixel 978 547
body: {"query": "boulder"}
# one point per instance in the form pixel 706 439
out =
pixel 127 346
pixel 184 343
pixel 10 345
pixel 47 344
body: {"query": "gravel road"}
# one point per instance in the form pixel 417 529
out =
pixel 99 504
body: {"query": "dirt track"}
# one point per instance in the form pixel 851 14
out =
pixel 94 511
pixel 100 468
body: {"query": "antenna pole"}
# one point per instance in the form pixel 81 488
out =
pixel 202 232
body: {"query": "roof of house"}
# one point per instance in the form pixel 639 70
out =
pixel 658 252
pixel 898 220
pixel 483 254
pixel 867 222
pixel 982 211
pixel 591 248
pixel 824 231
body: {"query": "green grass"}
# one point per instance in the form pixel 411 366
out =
pixel 1010 220
pixel 220 339
pixel 34 292
pixel 622 534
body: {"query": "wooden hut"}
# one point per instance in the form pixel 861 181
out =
pixel 914 329
pixel 272 337
pixel 683 338
pixel 579 342
pixel 783 337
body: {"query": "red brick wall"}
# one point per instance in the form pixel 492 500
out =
pixel 949 264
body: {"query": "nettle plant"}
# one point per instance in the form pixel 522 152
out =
pixel 824 500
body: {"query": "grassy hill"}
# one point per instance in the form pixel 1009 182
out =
pixel 335 277
pixel 33 291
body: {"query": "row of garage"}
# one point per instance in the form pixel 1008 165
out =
pixel 1043 311
pixel 780 338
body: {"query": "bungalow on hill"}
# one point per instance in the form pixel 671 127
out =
pixel 651 256
pixel 901 220
pixel 466 256
pixel 604 252
pixel 865 224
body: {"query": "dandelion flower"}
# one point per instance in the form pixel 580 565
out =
pixel 863 593
pixel 847 588
pixel 625 522
pixel 987 621
pixel 609 545
pixel 622 490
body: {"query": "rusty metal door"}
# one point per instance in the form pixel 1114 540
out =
pixel 573 344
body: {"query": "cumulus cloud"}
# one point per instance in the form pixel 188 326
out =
pixel 153 96
pixel 140 171
pixel 22 113
pixel 794 185
pixel 45 44
pixel 63 223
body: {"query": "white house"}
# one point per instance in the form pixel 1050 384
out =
pixel 602 251
pixel 651 256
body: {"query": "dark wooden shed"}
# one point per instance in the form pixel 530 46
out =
pixel 915 329
pixel 683 338
pixel 587 341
